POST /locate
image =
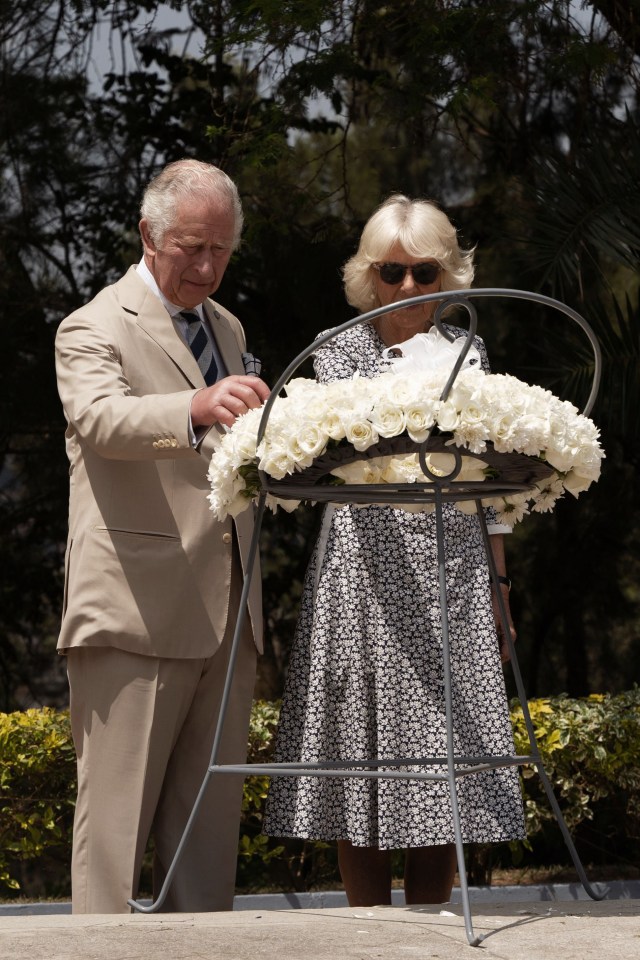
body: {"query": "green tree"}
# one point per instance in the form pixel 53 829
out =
pixel 519 117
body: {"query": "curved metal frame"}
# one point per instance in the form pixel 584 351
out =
pixel 437 490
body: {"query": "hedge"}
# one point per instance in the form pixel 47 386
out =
pixel 590 748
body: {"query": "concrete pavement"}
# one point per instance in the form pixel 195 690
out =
pixel 575 929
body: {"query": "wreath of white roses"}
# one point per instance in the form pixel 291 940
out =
pixel 482 411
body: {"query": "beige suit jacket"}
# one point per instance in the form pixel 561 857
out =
pixel 148 567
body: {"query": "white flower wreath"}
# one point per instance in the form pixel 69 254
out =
pixel 481 409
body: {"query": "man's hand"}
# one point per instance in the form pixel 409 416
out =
pixel 227 399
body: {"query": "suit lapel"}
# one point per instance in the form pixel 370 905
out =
pixel 152 317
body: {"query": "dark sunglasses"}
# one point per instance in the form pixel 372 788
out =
pixel 394 273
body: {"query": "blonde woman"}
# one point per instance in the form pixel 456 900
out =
pixel 365 678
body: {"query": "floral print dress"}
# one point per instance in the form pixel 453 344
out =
pixel 365 677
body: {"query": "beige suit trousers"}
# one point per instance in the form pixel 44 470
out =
pixel 143 729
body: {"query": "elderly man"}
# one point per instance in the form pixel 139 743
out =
pixel 150 372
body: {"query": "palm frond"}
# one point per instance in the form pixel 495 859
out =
pixel 569 368
pixel 586 212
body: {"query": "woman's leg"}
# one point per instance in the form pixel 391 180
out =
pixel 366 874
pixel 429 873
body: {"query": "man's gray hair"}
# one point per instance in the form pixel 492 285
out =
pixel 185 180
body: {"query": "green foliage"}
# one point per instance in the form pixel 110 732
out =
pixel 590 748
pixel 37 799
pixel 254 846
pixel 37 787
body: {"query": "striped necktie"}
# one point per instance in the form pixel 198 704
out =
pixel 200 346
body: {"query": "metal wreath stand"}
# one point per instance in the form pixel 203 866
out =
pixel 519 472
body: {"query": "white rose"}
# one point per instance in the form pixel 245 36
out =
pixel 331 424
pixel 561 459
pixel 447 416
pixel 588 462
pixel 511 414
pixel 238 505
pixel 502 433
pixel 360 433
pixel 308 443
pixel 467 389
pixel 358 472
pixel 473 470
pixel 575 483
pixel 272 503
pixel 420 418
pixel 388 419
pixel 276 460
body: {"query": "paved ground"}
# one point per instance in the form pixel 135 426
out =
pixel 527 930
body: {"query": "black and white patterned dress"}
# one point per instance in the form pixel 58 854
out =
pixel 365 678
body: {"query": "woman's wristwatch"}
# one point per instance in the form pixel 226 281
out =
pixel 505 580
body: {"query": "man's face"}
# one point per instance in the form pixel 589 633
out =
pixel 189 261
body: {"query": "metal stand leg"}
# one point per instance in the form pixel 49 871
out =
pixel 535 753
pixel 224 703
pixel 474 941
pixel 451 771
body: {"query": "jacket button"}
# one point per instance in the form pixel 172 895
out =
pixel 226 538
pixel 174 442
pixel 156 444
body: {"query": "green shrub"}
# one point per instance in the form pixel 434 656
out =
pixel 590 749
pixel 37 788
pixel 255 851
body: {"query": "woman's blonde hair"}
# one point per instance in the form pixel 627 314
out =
pixel 423 230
